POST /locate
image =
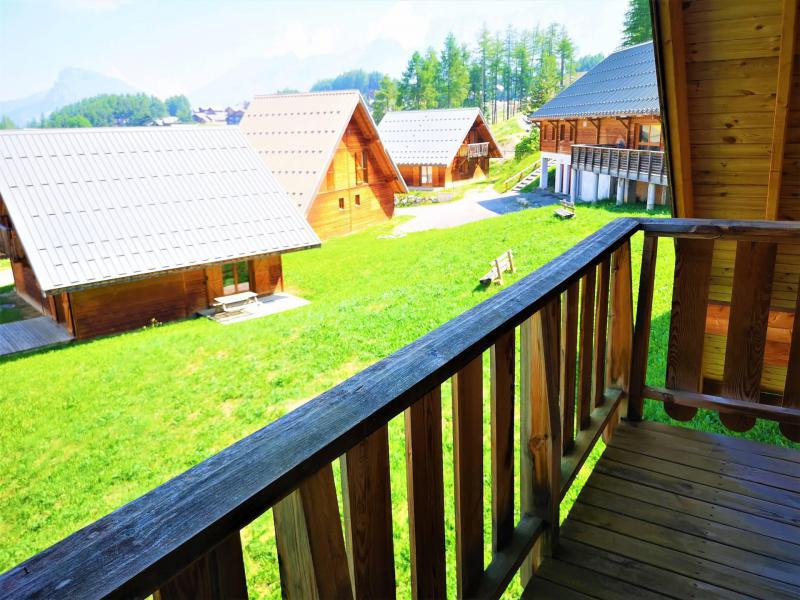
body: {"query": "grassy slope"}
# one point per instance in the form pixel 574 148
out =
pixel 4 264
pixel 126 413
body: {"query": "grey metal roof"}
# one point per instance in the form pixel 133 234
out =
pixel 623 84
pixel 97 205
pixel 429 137
pixel 297 136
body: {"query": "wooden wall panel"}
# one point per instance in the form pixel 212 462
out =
pixel 733 77
pixel 376 197
pixel 131 305
pixel 583 131
pixel 266 275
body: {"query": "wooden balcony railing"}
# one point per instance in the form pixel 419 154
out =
pixel 640 165
pixel 567 330
pixel 475 150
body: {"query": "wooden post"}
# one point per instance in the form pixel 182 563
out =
pixel 569 341
pixel 218 575
pixel 468 463
pixel 426 496
pixel 502 417
pixel 308 535
pixel 601 331
pixel 584 405
pixel 620 340
pixel 366 495
pixel 540 428
pixel 641 332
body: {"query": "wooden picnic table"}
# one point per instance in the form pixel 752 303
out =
pixel 227 302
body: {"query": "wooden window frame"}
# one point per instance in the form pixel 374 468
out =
pixel 341 203
pixel 423 169
pixel 357 200
pixel 362 167
pixel 238 286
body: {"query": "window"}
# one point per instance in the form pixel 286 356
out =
pixel 330 179
pixel 561 137
pixel 358 199
pixel 426 175
pixel 236 277
pixel 650 137
pixel 341 203
pixel 362 168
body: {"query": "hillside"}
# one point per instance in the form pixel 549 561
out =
pixel 72 85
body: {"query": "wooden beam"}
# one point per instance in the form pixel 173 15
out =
pixel 641 332
pixel 426 496
pixel 727 406
pixel 791 388
pixel 502 423
pixel 467 387
pixel 367 500
pixel 671 58
pixel 780 121
pixel 620 334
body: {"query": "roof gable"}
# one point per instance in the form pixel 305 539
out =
pixel 430 137
pixel 623 84
pixel 93 206
pixel 297 136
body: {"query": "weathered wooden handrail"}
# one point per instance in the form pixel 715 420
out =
pixel 182 539
pixel 139 547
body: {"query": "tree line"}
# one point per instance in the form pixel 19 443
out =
pixel 510 69
pixel 113 110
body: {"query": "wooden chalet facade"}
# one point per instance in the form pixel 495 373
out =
pixel 324 149
pixel 667 512
pixel 113 229
pixel 436 148
pixel 603 133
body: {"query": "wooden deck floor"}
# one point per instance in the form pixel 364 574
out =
pixel 671 512
pixel 29 334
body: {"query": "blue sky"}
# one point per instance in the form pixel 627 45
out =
pixel 176 46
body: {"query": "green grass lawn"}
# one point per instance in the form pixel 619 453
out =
pixel 4 264
pixel 89 427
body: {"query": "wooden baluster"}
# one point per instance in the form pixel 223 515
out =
pixel 688 321
pixel 308 535
pixel 641 332
pixel 426 496
pixel 468 464
pixel 621 327
pixel 569 342
pixel 791 390
pixel 747 327
pixel 502 417
pixel 601 331
pixel 366 494
pixel 218 575
pixel 540 428
pixel 584 407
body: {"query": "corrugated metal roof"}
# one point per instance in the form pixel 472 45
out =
pixel 297 136
pixel 623 84
pixel 97 205
pixel 429 137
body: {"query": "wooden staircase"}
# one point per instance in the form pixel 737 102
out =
pixel 523 177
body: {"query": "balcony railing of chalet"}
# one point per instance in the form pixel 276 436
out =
pixel 183 539
pixel 475 150
pixel 640 165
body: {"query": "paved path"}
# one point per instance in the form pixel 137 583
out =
pixel 473 207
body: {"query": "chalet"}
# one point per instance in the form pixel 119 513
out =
pixel 668 511
pixel 435 148
pixel 325 151
pixel 109 229
pixel 603 132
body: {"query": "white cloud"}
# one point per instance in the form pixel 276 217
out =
pixel 303 41
pixel 408 23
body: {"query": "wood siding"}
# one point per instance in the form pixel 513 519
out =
pixel 343 205
pixel 734 64
pixel 585 131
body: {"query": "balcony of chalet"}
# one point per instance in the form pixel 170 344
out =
pixel 667 510
pixel 648 166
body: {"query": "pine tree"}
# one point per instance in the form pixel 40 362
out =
pixel 410 84
pixel 385 98
pixel 637 27
pixel 454 76
pixel 566 54
pixel 429 80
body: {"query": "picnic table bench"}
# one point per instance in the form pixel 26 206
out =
pixel 501 264
pixel 566 210
pixel 233 301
